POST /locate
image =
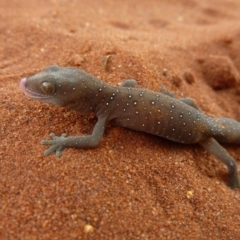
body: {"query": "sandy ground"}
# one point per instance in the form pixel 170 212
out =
pixel 134 185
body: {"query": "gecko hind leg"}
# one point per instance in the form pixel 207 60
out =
pixel 213 147
pixel 190 102
pixel 129 83
pixel 164 91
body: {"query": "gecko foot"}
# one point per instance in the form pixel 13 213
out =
pixel 57 144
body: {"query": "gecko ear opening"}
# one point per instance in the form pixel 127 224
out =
pixel 47 87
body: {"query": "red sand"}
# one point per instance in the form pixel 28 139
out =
pixel 134 185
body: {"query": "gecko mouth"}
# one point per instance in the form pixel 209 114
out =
pixel 30 93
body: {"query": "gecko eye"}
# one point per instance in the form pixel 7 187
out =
pixel 47 87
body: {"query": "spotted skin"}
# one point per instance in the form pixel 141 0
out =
pixel 158 113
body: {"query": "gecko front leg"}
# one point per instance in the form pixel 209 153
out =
pixel 58 144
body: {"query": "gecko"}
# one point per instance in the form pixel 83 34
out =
pixel 157 113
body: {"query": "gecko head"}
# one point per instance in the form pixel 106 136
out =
pixel 56 85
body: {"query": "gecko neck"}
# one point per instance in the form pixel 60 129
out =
pixel 90 100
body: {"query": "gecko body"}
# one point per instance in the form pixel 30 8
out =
pixel 135 108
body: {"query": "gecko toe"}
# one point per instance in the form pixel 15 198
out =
pixel 50 150
pixel 47 142
pixel 55 148
pixel 59 151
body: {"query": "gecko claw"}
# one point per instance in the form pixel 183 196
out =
pixel 57 144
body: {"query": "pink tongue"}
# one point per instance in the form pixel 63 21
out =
pixel 22 84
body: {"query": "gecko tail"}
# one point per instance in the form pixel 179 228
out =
pixel 228 131
pixel 213 147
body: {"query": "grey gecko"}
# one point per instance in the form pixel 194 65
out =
pixel 135 108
